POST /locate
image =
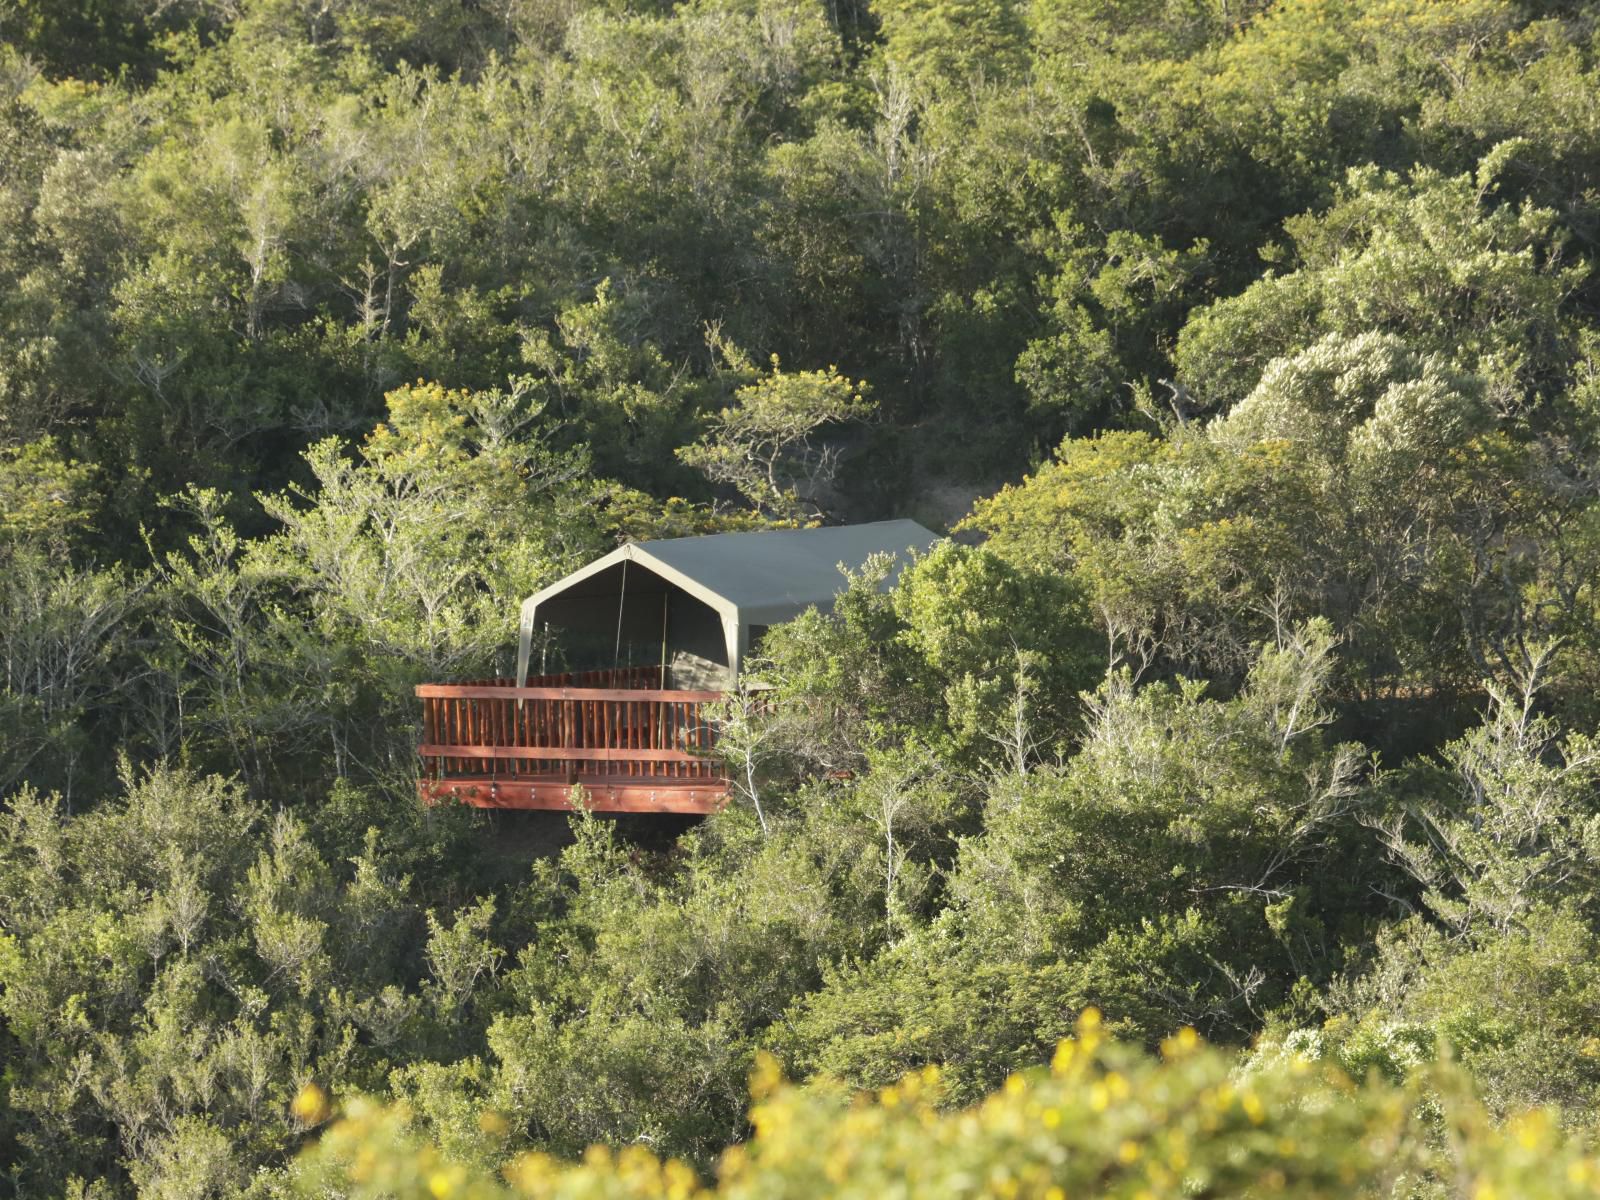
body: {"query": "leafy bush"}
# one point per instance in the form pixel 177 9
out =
pixel 1104 1120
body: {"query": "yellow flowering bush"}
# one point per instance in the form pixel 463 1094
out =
pixel 1103 1120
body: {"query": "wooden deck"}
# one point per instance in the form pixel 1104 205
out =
pixel 628 743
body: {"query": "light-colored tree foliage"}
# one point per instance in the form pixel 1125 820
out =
pixel 769 443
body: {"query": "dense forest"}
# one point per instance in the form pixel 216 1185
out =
pixel 1250 354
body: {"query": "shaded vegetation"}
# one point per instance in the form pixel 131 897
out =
pixel 1252 355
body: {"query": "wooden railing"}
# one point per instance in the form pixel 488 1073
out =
pixel 609 725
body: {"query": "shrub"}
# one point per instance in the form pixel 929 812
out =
pixel 1103 1120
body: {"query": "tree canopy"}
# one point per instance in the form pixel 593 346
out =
pixel 1250 354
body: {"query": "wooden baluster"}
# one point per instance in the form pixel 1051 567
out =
pixel 700 735
pixel 536 732
pixel 480 732
pixel 427 733
pixel 537 725
pixel 552 730
pixel 508 731
pixel 520 734
pixel 453 733
pixel 513 716
pixel 484 714
pixel 502 734
pixel 491 716
pixel 548 715
pixel 446 736
pixel 441 728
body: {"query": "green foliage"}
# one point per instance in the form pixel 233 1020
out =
pixel 42 495
pixel 766 444
pixel 949 42
pixel 1351 482
pixel 178 962
pixel 330 329
pixel 1523 832
pixel 1011 649
pixel 988 656
pixel 1425 259
pixel 1512 1010
pixel 1175 871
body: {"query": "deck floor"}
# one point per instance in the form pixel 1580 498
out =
pixel 605 793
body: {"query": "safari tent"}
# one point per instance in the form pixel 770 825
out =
pixel 648 638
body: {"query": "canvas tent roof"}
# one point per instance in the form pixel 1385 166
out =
pixel 757 578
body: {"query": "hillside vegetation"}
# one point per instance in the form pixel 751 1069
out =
pixel 1252 354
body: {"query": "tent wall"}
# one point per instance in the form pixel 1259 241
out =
pixel 697 649
pixel 612 620
pixel 586 620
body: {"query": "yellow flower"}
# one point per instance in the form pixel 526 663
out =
pixel 680 1179
pixel 311 1105
pixel 1185 1041
pixel 1065 1052
pixel 493 1123
pixel 1529 1129
pixel 1251 1103
pixel 766 1076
